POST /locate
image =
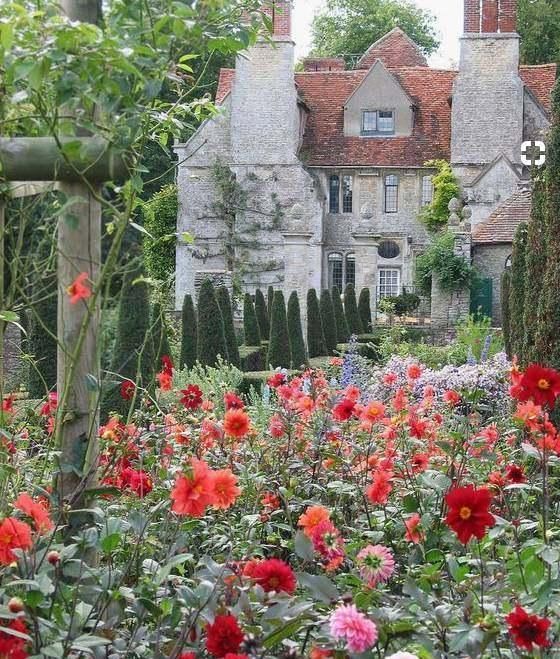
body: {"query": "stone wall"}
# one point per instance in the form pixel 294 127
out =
pixel 490 261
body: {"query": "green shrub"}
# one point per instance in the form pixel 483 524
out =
pixel 446 186
pixel 211 340
pixel 42 343
pixel 315 338
pixel 505 293
pixel 476 335
pixel 222 295
pixel 250 324
pixel 160 220
pixel 351 311
pixel 364 309
pixel 454 273
pixel 517 291
pixel 328 321
pixel 188 334
pixel 342 331
pixel 279 353
pixel 297 343
pixel 403 304
pixel 269 300
pixel 251 358
pixel 262 314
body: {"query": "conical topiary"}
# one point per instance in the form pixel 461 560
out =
pixel 342 331
pixel 188 334
pixel 262 313
pixel 132 353
pixel 224 301
pixel 250 324
pixel 351 310
pixel 517 290
pixel 328 321
pixel 269 300
pixel 160 338
pixel 211 340
pixel 279 344
pixel 505 292
pixel 364 309
pixel 315 338
pixel 297 343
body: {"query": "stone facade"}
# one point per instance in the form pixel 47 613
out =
pixel 333 161
pixel 490 261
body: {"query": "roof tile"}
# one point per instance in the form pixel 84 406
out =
pixel 500 227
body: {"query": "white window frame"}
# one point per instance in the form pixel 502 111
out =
pixel 388 287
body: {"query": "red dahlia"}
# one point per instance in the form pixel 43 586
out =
pixel 127 389
pixel 468 512
pixel 274 574
pixel 343 411
pixel 527 629
pixel 232 401
pixel 11 646
pixel 192 397
pixel 539 384
pixel 223 636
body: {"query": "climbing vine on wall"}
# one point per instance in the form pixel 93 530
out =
pixel 454 272
pixel 446 186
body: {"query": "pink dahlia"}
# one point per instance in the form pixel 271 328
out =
pixel 349 624
pixel 376 564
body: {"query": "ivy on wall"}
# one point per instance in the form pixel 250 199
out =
pixel 446 186
pixel 160 220
pixel 454 272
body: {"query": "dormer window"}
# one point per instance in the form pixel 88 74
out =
pixel 378 122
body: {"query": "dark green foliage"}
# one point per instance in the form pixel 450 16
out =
pixel 211 340
pixel 446 187
pixel 454 273
pixel 132 354
pixel 405 303
pixel 250 324
pixel 535 269
pixel 224 301
pixel 364 309
pixel 188 334
pixel 42 339
pixel 342 331
pixel 279 344
pixel 538 23
pixel 316 346
pixel 160 337
pixel 328 321
pixel 269 299
pixel 251 358
pixel 297 343
pixel 351 311
pixel 517 290
pixel 262 313
pixel 548 323
pixel 506 316
pixel 160 220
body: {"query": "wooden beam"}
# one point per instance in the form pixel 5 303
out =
pixel 40 159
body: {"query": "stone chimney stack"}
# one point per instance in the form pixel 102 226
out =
pixel 487 110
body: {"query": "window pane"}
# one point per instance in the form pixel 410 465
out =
pixel 334 194
pixel 351 269
pixel 391 194
pixel 386 122
pixel 347 194
pixel 335 271
pixel 427 190
pixel 389 283
pixel 369 122
pixel 388 249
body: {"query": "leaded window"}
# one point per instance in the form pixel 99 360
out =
pixel 391 193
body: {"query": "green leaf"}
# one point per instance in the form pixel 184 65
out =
pixel 304 547
pixel 110 542
pixel 321 587
pixel 6 35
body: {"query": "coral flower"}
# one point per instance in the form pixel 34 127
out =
pixel 378 492
pixel 193 492
pixel 36 510
pixel 165 380
pixel 78 290
pixel 236 423
pixel 349 624
pixel 273 574
pixel 127 389
pixel 276 426
pixel 312 517
pixel 343 411
pixel 376 564
pixel 539 384
pixel 468 512
pixel 192 397
pixel 414 371
pixel 413 534
pixel 527 629
pixel 373 412
pixel 138 481
pixel 451 398
pixel 13 535
pixel 223 636
pixel 225 489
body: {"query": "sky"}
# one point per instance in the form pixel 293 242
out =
pixel 449 16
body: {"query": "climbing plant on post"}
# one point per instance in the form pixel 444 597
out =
pixel 222 295
pixel 188 334
pixel 297 343
pixel 279 345
pixel 328 321
pixel 316 345
pixel 351 310
pixel 342 331
pixel 211 339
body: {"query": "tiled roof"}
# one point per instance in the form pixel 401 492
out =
pixel 396 49
pixel 540 79
pixel 501 225
pixel 225 83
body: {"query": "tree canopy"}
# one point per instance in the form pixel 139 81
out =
pixel 349 27
pixel 538 24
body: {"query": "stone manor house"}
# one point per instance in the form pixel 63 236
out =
pixel 332 161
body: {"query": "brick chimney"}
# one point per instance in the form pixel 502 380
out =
pixel 490 16
pixel 280 12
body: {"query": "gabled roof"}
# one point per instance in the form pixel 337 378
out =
pixel 396 49
pixel 379 66
pixel 500 227
pixel 490 166
pixel 540 80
